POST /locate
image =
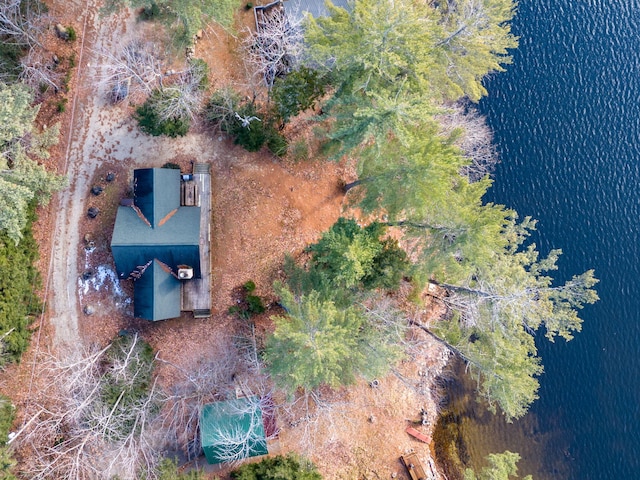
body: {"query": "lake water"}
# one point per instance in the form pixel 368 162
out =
pixel 566 117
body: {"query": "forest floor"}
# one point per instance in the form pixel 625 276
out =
pixel 263 207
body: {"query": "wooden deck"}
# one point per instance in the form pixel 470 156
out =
pixel 196 293
pixel 414 467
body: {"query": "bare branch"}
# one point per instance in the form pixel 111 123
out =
pixel 77 433
pixel 22 23
pixel 274 49
pixel 474 137
pixel 134 73
pixel 38 69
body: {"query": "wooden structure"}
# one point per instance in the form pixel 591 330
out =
pixel 414 467
pixel 162 241
pixel 196 293
pixel 189 195
pixel 419 435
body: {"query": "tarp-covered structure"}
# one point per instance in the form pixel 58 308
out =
pixel 154 237
pixel 232 430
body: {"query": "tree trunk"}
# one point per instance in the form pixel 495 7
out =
pixel 349 186
pixel 467 290
pixel 452 36
pixel 451 348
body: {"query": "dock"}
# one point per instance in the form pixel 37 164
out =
pixel 414 467
pixel 418 435
pixel 196 293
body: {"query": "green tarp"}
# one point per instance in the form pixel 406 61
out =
pixel 232 430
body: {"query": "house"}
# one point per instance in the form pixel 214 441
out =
pixel 232 430
pixel 156 242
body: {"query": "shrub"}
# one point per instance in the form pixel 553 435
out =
pixel 252 137
pixel 171 165
pixel 249 131
pixel 249 128
pixel 200 68
pixel 279 467
pixel 150 122
pixel 168 470
pixel 247 304
pixel 299 150
pixel 149 13
pixel 254 305
pixel 61 105
pixel 66 80
pixel 221 108
pixel 277 143
pixel 71 34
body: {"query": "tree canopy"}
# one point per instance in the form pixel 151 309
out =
pixel 349 256
pixel 317 343
pixel 501 305
pixel 22 179
pixel 18 300
pixel 393 67
pixel 289 467
pixel 502 466
pixel 394 63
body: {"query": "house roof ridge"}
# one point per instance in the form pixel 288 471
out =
pixel 141 215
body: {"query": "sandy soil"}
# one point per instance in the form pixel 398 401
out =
pixel 263 207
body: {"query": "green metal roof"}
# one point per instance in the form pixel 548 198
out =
pixel 156 192
pixel 232 430
pixel 157 294
pixel 156 229
pixel 176 242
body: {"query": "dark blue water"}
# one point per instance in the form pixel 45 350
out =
pixel 566 117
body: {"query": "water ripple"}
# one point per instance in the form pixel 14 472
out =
pixel 567 121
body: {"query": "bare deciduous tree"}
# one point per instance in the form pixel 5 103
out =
pixel 134 73
pixel 182 97
pixel 237 441
pixel 275 47
pixel 138 73
pixel 474 137
pixel 38 69
pixel 78 433
pixel 205 383
pixel 22 22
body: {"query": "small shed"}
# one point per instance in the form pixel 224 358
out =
pixel 232 430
